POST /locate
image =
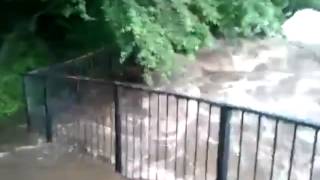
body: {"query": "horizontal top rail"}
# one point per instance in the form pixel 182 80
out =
pixel 74 60
pixel 303 122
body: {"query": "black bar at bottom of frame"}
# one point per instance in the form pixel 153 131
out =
pixel 224 142
pixel 118 150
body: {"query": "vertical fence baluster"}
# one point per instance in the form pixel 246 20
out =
pixel 118 150
pixel 127 144
pixel 26 105
pixel 274 148
pixel 48 120
pixel 104 151
pixel 78 124
pixel 134 142
pixel 88 135
pixel 176 150
pixel 196 142
pixel 240 145
pixel 224 143
pixel 91 127
pixel 208 144
pixel 314 149
pixel 85 136
pixel 185 141
pixel 166 146
pixel 292 150
pixel 257 149
pixel 98 136
pixel 104 133
pixel 141 147
pixel 78 97
pixel 112 119
pixel 149 131
pixel 158 131
pixel 102 143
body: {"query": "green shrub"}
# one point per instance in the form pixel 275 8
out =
pixel 145 32
pixel 155 30
pixel 19 53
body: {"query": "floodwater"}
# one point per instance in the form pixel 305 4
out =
pixel 166 138
pixel 25 156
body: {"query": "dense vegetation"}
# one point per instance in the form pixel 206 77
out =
pixel 36 33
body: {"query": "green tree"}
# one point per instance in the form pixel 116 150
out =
pixel 147 33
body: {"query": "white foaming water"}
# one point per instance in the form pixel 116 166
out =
pixel 303 27
pixel 4 154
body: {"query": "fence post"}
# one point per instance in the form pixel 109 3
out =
pixel 117 121
pixel 224 143
pixel 48 120
pixel 26 106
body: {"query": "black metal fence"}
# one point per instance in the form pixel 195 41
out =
pixel 153 134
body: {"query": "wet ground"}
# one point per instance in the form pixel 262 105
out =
pixel 25 156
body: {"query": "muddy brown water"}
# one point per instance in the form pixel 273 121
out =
pixel 279 92
pixel 25 156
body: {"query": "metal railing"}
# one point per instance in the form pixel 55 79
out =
pixel 153 134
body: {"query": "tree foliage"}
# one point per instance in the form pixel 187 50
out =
pixel 19 53
pixel 150 31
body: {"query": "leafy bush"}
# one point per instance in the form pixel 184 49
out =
pixel 19 53
pixel 145 32
pixel 155 30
